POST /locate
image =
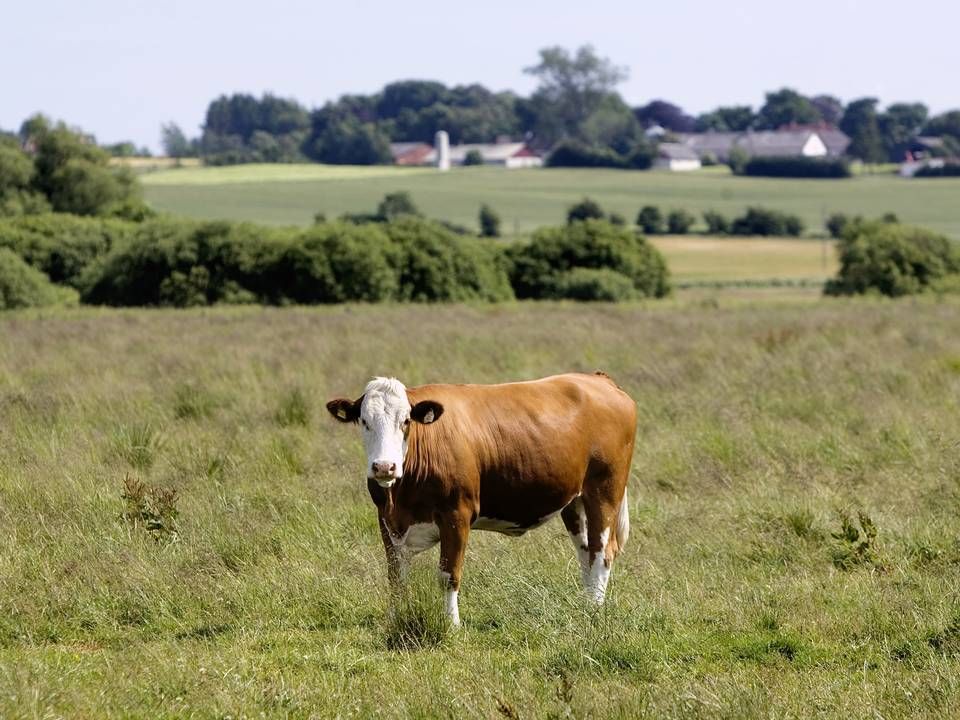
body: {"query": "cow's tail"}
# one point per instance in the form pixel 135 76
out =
pixel 623 522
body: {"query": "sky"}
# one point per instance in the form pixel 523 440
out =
pixel 121 68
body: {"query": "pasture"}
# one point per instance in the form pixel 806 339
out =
pixel 185 533
pixel 527 199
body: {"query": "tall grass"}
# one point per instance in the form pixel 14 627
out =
pixel 182 533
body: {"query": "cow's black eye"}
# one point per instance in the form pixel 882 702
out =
pixel 364 423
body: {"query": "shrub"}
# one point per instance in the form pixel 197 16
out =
pixel 892 259
pixel 473 157
pixel 489 222
pixel 617 219
pixel 63 246
pixel 679 222
pixel 650 220
pixel 538 266
pixel 586 209
pixel 397 204
pixel 796 167
pixel 581 283
pixel 760 221
pixel 737 160
pixel 571 153
pixel 435 265
pixel 836 224
pixel 717 224
pixel 948 169
pixel 22 286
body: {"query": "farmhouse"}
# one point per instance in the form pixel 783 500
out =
pixel 786 142
pixel 677 157
pixel 504 154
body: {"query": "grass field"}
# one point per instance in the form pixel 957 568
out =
pixel 526 199
pixel 743 591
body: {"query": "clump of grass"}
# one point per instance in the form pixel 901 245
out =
pixel 150 507
pixel 856 547
pixel 947 640
pixel 193 402
pixel 293 408
pixel 802 523
pixel 138 444
pixel 415 620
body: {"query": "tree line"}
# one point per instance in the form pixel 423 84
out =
pixel 576 105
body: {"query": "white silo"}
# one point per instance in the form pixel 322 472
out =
pixel 441 143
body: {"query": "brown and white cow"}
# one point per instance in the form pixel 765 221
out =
pixel 442 459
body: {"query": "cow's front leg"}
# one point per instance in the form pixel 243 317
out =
pixel 454 530
pixel 397 560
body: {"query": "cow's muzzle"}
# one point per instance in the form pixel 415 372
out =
pixel 384 472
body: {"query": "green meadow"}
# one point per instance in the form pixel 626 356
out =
pixel 527 199
pixel 185 533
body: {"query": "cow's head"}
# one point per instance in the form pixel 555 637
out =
pixel 384 415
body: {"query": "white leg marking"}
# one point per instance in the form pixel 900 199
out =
pixel 579 540
pixel 450 604
pixel 599 573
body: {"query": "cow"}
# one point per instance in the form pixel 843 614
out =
pixel 446 459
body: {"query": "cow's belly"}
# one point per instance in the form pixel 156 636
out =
pixel 510 527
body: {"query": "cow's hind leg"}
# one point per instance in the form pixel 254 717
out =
pixel 607 524
pixel 575 519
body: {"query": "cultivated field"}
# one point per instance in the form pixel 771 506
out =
pixel 794 500
pixel 526 199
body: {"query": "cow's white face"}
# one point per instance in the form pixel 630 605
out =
pixel 384 415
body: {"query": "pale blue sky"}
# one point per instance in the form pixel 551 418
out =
pixel 119 69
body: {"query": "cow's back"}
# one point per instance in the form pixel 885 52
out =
pixel 524 448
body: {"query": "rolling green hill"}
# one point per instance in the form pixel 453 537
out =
pixel 292 194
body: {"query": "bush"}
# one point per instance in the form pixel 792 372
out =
pixel 22 286
pixel 586 209
pixel 650 220
pixel 679 222
pixel 63 246
pixel 603 284
pixel 617 219
pixel 892 259
pixel 571 153
pixel 737 160
pixel 539 266
pixel 948 169
pixel 473 157
pixel 760 221
pixel 717 224
pixel 836 224
pixel 796 167
pixel 397 204
pixel 434 265
pixel 489 222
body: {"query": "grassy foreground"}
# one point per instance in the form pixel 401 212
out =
pixel 743 591
pixel 527 199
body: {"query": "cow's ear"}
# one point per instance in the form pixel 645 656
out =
pixel 345 410
pixel 426 412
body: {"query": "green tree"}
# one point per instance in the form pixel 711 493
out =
pixel 735 118
pixel 947 124
pixel 679 222
pixel 786 106
pixel 350 142
pixel 175 143
pixel 473 157
pixel 489 222
pixel 73 173
pixel 898 124
pixel 586 209
pixel 572 87
pixel 397 204
pixel 650 220
pixel 829 107
pixel 861 124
